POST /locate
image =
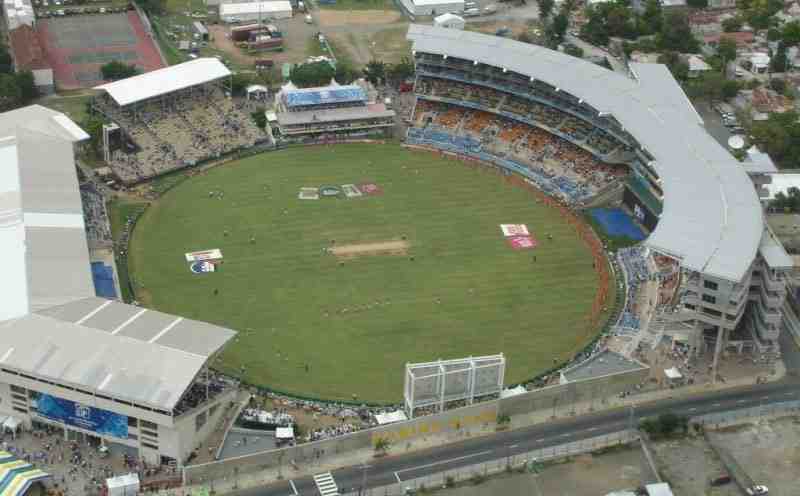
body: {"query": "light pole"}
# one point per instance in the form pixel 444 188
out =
pixel 363 488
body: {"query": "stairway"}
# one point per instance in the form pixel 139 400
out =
pixel 325 484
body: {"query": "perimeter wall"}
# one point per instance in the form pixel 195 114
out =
pixel 449 426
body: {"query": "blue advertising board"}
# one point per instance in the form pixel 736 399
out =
pixel 83 416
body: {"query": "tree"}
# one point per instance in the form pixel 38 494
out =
pixel 154 6
pixel 791 33
pixel 116 70
pixel 787 202
pixel 779 136
pixel 6 62
pixel 732 24
pixel 558 28
pixel 260 118
pixel 676 34
pixel 400 71
pixel 239 83
pixel 778 61
pixel 344 73
pixel 546 8
pixel 726 50
pixel 652 15
pixel 93 125
pixel 313 74
pixel 697 4
pixel 573 50
pixel 382 445
pixel 525 37
pixel 774 34
pixel 27 86
pixel 375 72
pixel 10 94
pixel 676 65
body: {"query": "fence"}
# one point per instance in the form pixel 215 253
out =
pixel 744 415
pixel 477 472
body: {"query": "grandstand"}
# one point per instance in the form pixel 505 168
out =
pixel 131 378
pixel 561 123
pixel 330 113
pixel 174 117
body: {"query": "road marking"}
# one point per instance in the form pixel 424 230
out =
pixel 446 461
pixel 566 434
pixel 742 401
pixel 787 394
pixel 538 440
pixel 693 409
pixel 513 446
pixel 590 429
pixel 294 489
pixel 716 404
pixel 765 397
pixel 397 477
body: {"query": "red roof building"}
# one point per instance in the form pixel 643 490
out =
pixel 27 49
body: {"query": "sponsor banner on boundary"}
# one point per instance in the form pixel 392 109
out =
pixel 370 189
pixel 308 194
pixel 202 267
pixel 351 191
pixel 521 242
pixel 198 256
pixel 514 230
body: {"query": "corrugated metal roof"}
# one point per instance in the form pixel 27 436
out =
pixel 166 80
pixel 52 324
pixel 712 217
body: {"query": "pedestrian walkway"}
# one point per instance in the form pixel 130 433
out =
pixel 325 484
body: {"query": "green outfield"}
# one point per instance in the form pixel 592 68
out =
pixel 422 272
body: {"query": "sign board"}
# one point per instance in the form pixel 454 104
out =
pixel 198 256
pixel 83 416
pixel 514 230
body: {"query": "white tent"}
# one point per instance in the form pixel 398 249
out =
pixel 508 393
pixel 673 374
pixel 123 485
pixel 391 417
pixel 12 424
pixel 256 92
pixel 449 20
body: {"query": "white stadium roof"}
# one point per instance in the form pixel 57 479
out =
pixel 711 217
pixel 162 81
pixel 52 324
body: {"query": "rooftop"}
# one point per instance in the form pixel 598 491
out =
pixel 52 324
pixel 228 9
pixel 711 218
pixel 163 81
pixel 333 115
pixel 301 97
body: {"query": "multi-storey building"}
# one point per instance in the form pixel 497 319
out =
pixel 695 200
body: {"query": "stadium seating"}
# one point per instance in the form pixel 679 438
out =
pixel 179 133
pixel 558 167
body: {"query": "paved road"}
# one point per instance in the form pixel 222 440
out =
pixel 389 470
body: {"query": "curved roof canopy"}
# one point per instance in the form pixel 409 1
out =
pixel 711 218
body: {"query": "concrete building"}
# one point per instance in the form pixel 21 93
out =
pixel 698 203
pixel 103 372
pixel 432 7
pixel 254 11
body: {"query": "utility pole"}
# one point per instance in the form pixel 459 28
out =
pixel 362 490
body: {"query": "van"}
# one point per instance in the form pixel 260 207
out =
pixel 490 9
pixel 472 13
pixel 309 19
pixel 470 5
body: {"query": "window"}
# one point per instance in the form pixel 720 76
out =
pixel 710 285
pixel 689 306
pixel 132 436
pixel 132 422
pixel 20 410
pixel 148 433
pixel 151 446
pixel 713 313
pixel 17 389
pixel 709 299
pixel 149 425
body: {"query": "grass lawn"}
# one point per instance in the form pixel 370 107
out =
pixel 390 45
pixel 73 106
pixel 355 322
pixel 119 210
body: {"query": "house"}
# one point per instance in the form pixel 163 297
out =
pixel 759 62
pixel 790 13
pixel 761 102
pixel 28 55
pixel 697 66
pixel 742 38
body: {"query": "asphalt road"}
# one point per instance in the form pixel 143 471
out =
pixel 391 469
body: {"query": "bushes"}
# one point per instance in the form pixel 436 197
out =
pixel 665 425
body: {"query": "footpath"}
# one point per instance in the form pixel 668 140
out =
pixel 292 470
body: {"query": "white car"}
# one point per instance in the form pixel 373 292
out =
pixel 758 491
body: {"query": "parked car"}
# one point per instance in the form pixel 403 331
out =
pixel 758 490
pixel 721 480
pixel 472 13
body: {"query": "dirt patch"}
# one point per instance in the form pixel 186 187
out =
pixel 366 249
pixel 334 18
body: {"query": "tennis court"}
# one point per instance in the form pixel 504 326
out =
pixel 77 46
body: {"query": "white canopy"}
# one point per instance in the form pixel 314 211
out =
pixel 284 433
pixel 391 417
pixel 256 88
pixel 11 423
pixel 673 373
pixel 507 393
pixel 127 484
pixel 166 80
